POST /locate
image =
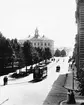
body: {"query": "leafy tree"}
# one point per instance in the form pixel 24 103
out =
pixel 57 53
pixel 17 53
pixel 40 53
pixel 5 52
pixel 63 53
pixel 35 56
pixel 43 53
pixel 47 53
pixel 27 49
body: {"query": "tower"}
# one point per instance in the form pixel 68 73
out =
pixel 36 33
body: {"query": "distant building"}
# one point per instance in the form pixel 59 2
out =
pixel 41 42
pixel 80 29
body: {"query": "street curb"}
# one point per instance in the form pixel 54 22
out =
pixel 77 100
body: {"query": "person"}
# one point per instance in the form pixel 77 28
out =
pixel 68 96
pixel 72 98
pixel 31 67
pixel 5 80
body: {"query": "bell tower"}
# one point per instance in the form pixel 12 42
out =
pixel 36 33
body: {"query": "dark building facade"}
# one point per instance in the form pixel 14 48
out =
pixel 80 33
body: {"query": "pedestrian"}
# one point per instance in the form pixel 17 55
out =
pixel 5 80
pixel 68 96
pixel 66 75
pixel 72 98
pixel 31 69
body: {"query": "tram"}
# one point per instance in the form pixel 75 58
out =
pixel 39 72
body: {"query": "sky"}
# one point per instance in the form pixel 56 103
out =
pixel 54 18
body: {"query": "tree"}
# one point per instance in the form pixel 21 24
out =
pixel 27 49
pixel 63 53
pixel 47 54
pixel 5 52
pixel 40 53
pixel 57 53
pixel 35 56
pixel 17 53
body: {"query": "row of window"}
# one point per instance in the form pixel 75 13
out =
pixel 42 44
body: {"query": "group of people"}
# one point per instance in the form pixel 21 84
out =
pixel 70 97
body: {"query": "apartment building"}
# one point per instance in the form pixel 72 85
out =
pixel 80 29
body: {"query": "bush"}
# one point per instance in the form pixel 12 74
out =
pixel 21 74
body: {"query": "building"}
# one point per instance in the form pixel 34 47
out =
pixel 41 42
pixel 80 33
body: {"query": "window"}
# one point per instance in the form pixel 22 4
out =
pixel 41 44
pixel 34 43
pixel 48 44
pixel 45 44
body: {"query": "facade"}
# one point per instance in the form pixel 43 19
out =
pixel 80 33
pixel 41 42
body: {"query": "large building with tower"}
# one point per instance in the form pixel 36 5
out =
pixel 40 41
pixel 80 33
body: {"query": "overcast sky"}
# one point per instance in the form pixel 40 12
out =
pixel 54 18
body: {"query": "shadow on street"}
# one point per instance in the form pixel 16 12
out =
pixel 35 81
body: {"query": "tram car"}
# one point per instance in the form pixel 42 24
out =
pixel 40 72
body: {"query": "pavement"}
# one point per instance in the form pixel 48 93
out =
pixel 7 95
pixel 58 93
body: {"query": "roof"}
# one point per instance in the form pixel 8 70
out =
pixel 39 38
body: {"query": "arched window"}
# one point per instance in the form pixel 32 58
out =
pixel 48 44
pixel 41 44
pixel 35 44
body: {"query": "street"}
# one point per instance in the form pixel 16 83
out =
pixel 24 92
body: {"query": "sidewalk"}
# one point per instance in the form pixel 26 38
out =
pixel 69 82
pixel 58 93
